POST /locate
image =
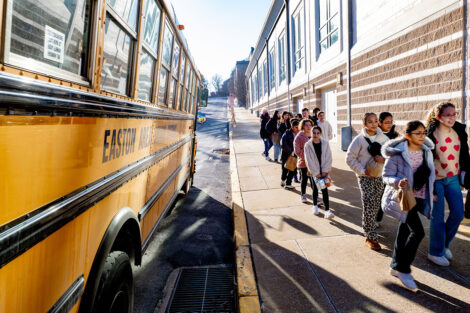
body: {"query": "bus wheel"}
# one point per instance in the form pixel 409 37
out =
pixel 116 287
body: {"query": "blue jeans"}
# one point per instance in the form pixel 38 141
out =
pixel 268 143
pixel 442 232
pixel 277 150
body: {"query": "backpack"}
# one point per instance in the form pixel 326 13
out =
pixel 421 176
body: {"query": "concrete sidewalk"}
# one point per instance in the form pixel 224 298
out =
pixel 305 263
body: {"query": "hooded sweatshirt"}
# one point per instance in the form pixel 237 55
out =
pixel 357 155
pixel 398 166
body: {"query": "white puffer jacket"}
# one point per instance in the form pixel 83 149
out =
pixel 357 155
pixel 312 161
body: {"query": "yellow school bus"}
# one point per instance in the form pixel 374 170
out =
pixel 97 117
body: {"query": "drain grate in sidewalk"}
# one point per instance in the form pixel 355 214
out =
pixel 203 289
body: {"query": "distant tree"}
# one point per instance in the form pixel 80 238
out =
pixel 216 82
pixel 223 91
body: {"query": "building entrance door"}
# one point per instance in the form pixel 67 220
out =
pixel 299 104
pixel 328 103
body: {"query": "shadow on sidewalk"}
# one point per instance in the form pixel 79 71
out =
pixel 289 282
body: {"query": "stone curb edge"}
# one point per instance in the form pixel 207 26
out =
pixel 247 290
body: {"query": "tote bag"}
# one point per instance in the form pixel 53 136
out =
pixel 291 163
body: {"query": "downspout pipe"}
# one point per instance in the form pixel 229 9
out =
pixel 348 59
pixel 288 53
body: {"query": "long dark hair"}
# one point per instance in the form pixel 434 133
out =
pixel 276 115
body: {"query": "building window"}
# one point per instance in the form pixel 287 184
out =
pixel 298 38
pixel 281 46
pixel 272 73
pixel 329 23
pixel 265 78
pixel 260 84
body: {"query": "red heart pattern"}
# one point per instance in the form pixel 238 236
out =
pixel 448 140
pixel 457 147
pixel 450 174
pixel 457 165
pixel 444 165
pixel 443 148
pixel 451 157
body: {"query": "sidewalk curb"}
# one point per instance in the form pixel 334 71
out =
pixel 247 289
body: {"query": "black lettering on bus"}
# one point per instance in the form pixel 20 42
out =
pixel 128 141
pixel 124 141
pixel 113 146
pixel 118 148
pixel 134 133
pixel 105 145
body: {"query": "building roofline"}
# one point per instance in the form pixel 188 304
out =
pixel 268 26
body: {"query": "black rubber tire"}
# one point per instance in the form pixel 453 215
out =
pixel 116 287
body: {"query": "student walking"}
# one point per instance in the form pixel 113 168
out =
pixel 314 117
pixel 326 129
pixel 451 157
pixel 268 143
pixel 284 123
pixel 358 156
pixel 318 159
pixel 299 142
pixel 272 129
pixel 409 163
pixel 287 145
pixel 387 126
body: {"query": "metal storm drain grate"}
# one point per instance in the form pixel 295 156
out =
pixel 222 151
pixel 203 289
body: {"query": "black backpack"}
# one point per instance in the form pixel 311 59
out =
pixel 374 147
pixel 421 176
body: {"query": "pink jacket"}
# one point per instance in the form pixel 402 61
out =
pixel 299 142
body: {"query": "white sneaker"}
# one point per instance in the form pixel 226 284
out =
pixel 329 215
pixel 315 210
pixel 448 254
pixel 439 260
pixel 283 183
pixel 303 198
pixel 268 158
pixel 289 187
pixel 407 281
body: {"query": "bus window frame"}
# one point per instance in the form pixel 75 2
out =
pixel 38 67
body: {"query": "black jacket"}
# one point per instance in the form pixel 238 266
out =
pixel 271 126
pixel 283 127
pixel 464 157
pixel 287 144
pixel 392 134
pixel 262 132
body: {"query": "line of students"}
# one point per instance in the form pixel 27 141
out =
pixel 431 159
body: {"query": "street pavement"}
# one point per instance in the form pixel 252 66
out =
pixel 305 263
pixel 198 231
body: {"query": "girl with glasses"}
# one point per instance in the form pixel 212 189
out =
pixel 451 158
pixel 409 163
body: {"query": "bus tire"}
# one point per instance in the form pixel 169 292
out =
pixel 116 286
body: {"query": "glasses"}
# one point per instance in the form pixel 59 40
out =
pixel 419 134
pixel 450 115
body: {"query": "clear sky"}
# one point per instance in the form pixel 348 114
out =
pixel 220 32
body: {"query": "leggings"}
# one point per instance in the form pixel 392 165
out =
pixel 303 182
pixel 324 194
pixel 372 189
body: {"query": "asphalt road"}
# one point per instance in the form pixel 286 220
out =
pixel 199 229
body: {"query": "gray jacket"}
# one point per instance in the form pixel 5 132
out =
pixel 398 166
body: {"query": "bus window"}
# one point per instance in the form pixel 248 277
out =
pixel 152 14
pixel 145 76
pixel 181 91
pixel 175 71
pixel 116 58
pixel 165 67
pixel 49 36
pixel 127 10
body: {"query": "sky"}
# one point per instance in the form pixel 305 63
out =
pixel 220 32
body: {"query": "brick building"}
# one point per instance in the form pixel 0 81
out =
pixel 351 57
